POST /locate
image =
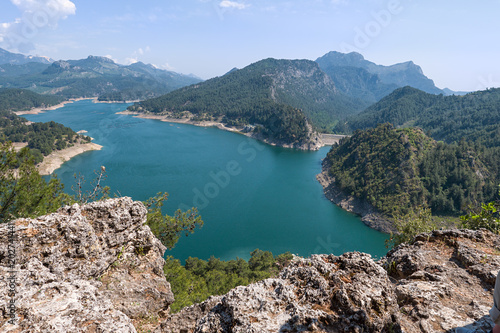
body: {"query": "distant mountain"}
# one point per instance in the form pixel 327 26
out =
pixel 280 95
pixel 474 117
pixel 364 79
pixel 7 57
pixel 94 77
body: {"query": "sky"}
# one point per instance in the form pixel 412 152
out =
pixel 456 42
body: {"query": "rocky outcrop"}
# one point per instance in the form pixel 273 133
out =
pixel 442 281
pixel 89 268
pixel 369 215
pixel 98 268
pixel 313 140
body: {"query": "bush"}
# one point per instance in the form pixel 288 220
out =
pixel 410 225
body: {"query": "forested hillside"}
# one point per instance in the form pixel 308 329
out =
pixel 20 100
pixel 276 95
pixel 474 117
pixel 397 170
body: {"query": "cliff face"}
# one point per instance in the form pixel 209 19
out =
pixel 90 268
pixel 97 268
pixel 442 281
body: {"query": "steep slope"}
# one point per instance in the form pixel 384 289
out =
pixel 361 78
pixel 278 97
pixel 94 77
pixel 473 117
pixel 395 170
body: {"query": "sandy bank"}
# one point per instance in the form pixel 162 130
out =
pixel 57 158
pixel 50 108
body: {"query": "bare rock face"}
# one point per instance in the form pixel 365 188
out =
pixel 90 268
pixel 350 293
pixel 441 281
pixel 445 280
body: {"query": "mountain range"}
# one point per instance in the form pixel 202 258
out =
pixel 91 77
pixel 290 93
pixel 7 57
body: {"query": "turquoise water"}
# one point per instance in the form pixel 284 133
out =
pixel 249 194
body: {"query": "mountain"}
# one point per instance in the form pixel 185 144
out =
pixel 473 117
pixel 7 57
pixel 93 77
pixel 280 96
pixel 363 79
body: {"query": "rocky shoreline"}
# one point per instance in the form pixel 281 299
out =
pixel 368 213
pixel 314 143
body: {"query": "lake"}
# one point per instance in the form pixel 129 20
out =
pixel 249 194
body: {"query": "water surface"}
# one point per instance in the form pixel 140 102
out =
pixel 249 194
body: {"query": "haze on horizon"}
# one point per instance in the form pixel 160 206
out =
pixel 456 43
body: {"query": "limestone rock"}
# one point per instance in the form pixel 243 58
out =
pixel 350 293
pixel 94 267
pixel 443 280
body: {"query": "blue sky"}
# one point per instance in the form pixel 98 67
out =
pixel 457 43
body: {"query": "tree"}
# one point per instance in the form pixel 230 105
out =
pixel 23 192
pixel 410 225
pixel 167 228
pixel 488 217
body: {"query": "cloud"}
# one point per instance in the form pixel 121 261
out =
pixel 232 4
pixel 135 55
pixel 36 16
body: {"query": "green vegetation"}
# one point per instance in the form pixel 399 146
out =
pixel 276 95
pixel 168 229
pixel 21 100
pixel 199 279
pixel 410 225
pixel 399 170
pixel 421 220
pixel 487 217
pixel 23 192
pixel 473 117
pixel 42 138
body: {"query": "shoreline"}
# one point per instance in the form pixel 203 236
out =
pixel 369 215
pixel 53 107
pixel 165 118
pixel 57 158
